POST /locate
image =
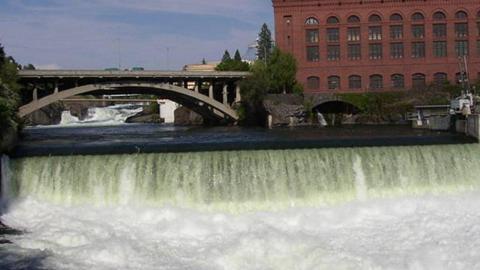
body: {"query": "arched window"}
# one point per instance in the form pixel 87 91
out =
pixel 311 21
pixel 440 78
pixel 376 82
pixel 398 81
pixel 353 19
pixel 461 15
pixel 396 17
pixel 375 18
pixel 417 16
pixel 333 82
pixel 439 16
pixel 418 81
pixel 333 20
pixel 355 82
pixel 313 83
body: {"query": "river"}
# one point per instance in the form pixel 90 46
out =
pixel 208 205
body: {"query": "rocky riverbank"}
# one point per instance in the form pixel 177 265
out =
pixel 52 114
pixel 9 140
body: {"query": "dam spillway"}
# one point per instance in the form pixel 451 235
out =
pixel 247 179
pixel 410 207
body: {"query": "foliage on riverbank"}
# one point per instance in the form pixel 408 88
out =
pixel 380 105
pixel 9 99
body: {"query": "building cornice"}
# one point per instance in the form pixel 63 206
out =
pixel 339 4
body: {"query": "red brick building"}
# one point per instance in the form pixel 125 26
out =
pixel 378 45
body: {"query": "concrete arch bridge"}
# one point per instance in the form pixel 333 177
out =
pixel 210 94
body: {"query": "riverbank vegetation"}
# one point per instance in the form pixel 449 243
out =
pixel 9 100
pixel 274 72
pixel 382 106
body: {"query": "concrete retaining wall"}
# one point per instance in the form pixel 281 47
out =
pixel 473 126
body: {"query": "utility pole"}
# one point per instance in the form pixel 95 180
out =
pixel 119 54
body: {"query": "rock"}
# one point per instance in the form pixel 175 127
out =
pixel 8 139
pixel 145 118
pixel 49 115
pixel 187 117
pixel 284 112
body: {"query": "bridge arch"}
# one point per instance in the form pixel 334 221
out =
pixel 335 106
pixel 207 107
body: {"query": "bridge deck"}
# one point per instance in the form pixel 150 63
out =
pixel 130 74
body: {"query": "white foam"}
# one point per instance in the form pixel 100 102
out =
pixel 409 233
pixel 112 115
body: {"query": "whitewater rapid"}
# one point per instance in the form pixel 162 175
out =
pixel 410 233
pixel 104 116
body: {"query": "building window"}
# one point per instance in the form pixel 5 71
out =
pixel 461 15
pixel 353 34
pixel 313 83
pixel 375 33
pixel 333 82
pixel 461 47
pixel 440 48
pixel 396 17
pixel 333 52
pixel 333 20
pixel 313 54
pixel 439 16
pixel 333 35
pixel 354 52
pixel 440 30
pixel 440 78
pixel 396 50
pixel 355 82
pixel 311 21
pixel 417 16
pixel 418 31
pixel 353 19
pixel 418 49
pixel 398 81
pixel 396 31
pixel 312 36
pixel 461 30
pixel 376 82
pixel 375 51
pixel 374 18
pixel 418 81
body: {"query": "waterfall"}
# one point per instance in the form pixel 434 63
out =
pixel 248 179
pixel 349 208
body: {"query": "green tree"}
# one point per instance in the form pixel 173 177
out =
pixel 282 68
pixel 229 64
pixel 255 87
pixel 9 98
pixel 237 56
pixel 226 56
pixel 264 43
pixel 29 67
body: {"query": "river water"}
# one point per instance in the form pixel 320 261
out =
pixel 332 206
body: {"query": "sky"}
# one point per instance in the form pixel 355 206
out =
pixel 154 34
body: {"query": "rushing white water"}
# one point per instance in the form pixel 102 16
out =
pixel 364 208
pixel 112 115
